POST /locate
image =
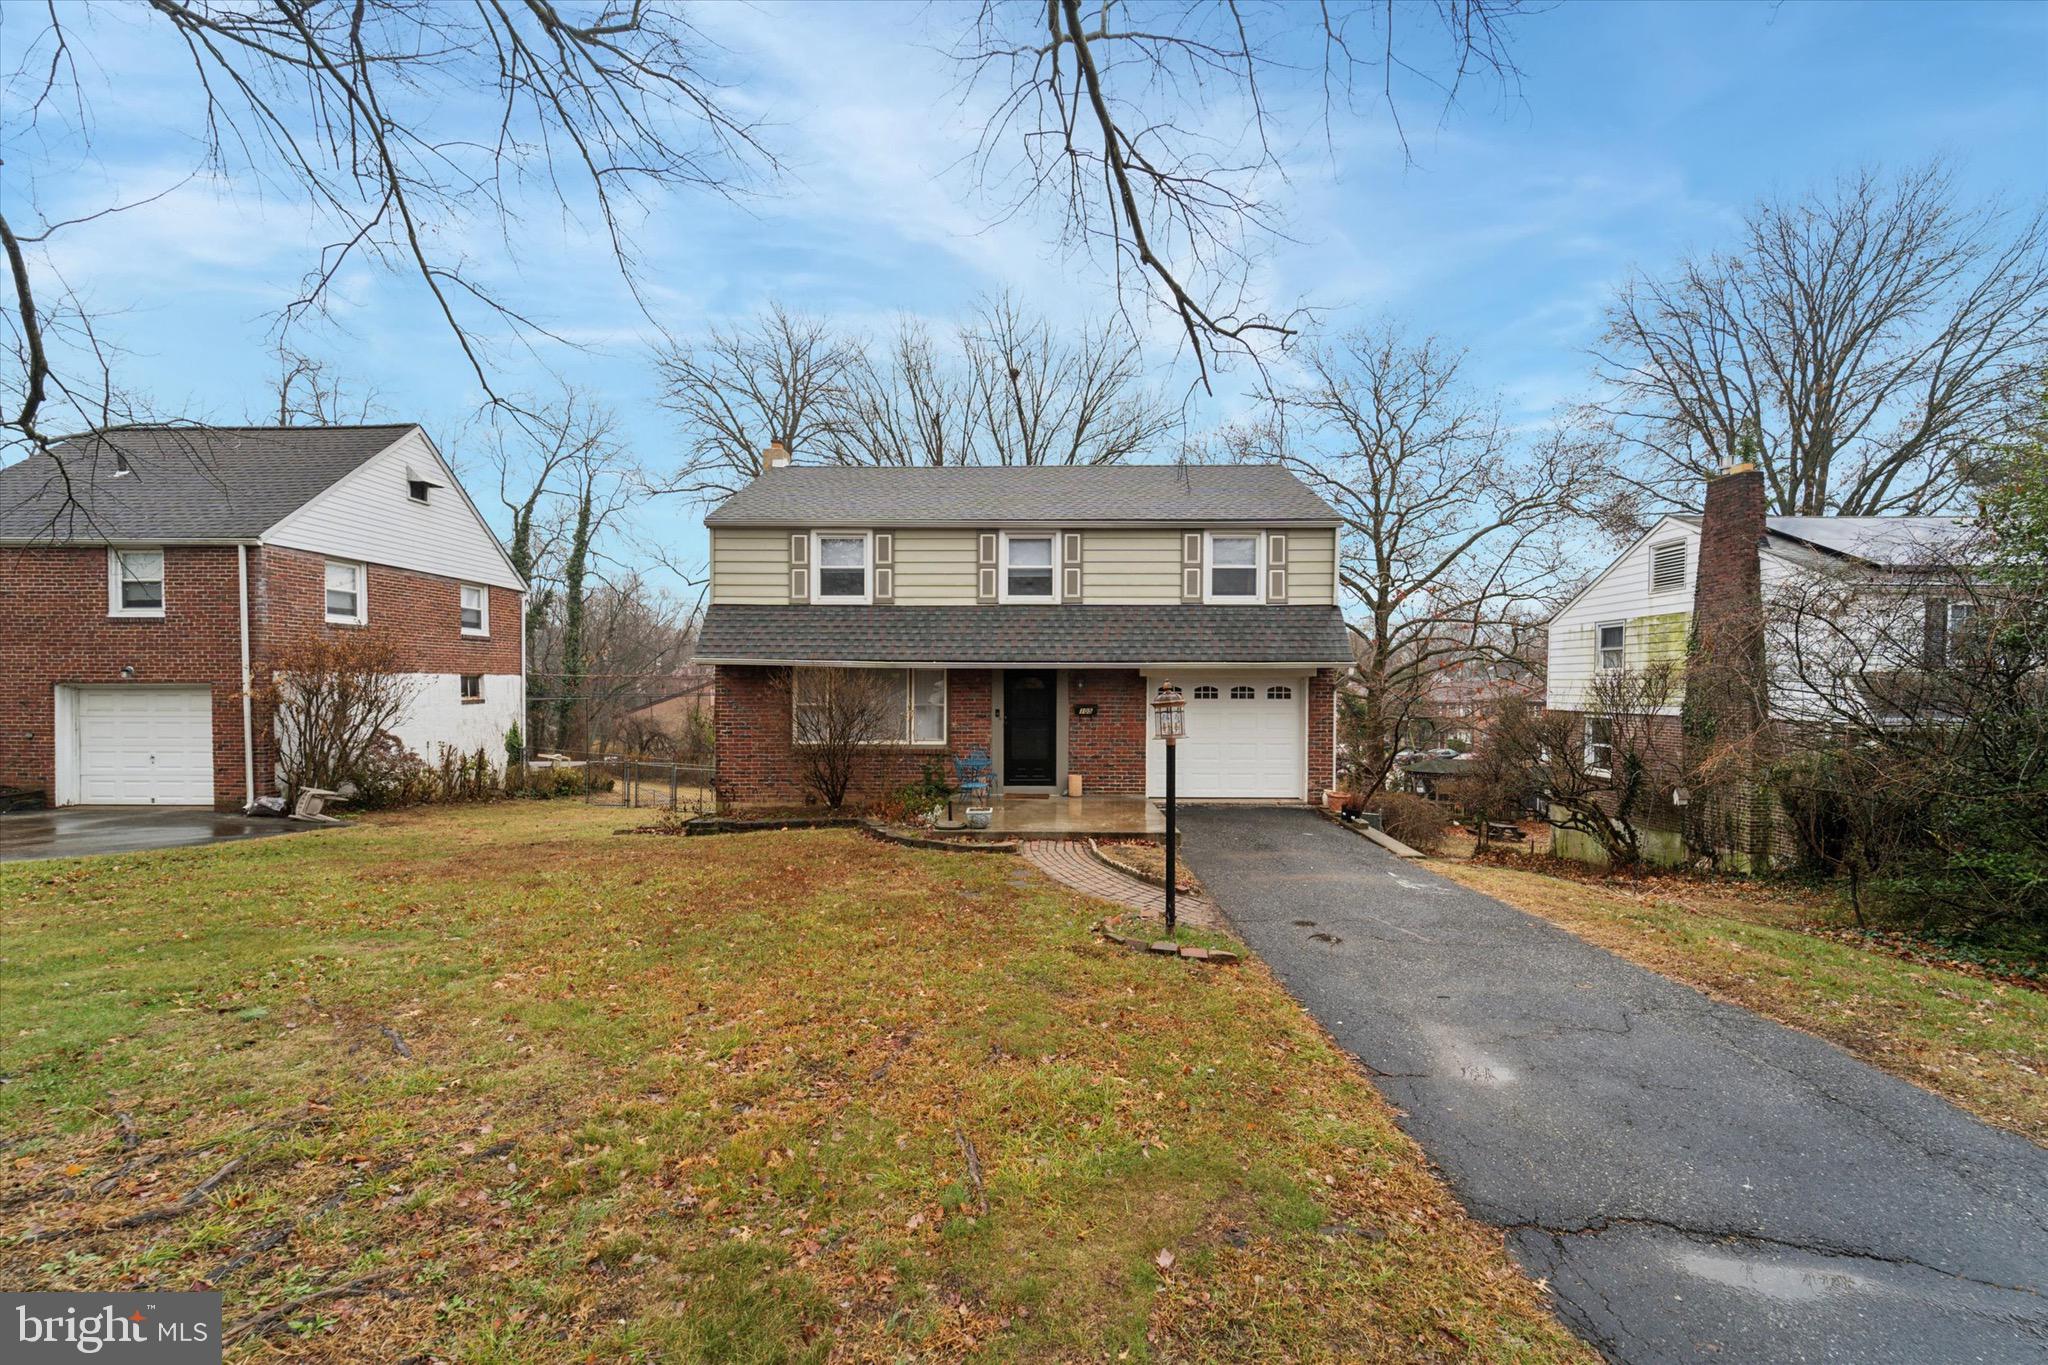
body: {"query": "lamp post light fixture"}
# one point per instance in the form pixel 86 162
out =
pixel 1169 722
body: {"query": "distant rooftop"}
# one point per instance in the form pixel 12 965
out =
pixel 809 495
pixel 1890 541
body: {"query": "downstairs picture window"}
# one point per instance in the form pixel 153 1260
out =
pixel 868 706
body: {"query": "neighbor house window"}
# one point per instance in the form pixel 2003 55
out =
pixel 472 687
pixel 1599 744
pixel 476 610
pixel 911 704
pixel 1234 568
pixel 416 489
pixel 135 582
pixel 1960 634
pixel 345 605
pixel 1667 566
pixel 842 560
pixel 1028 568
pixel 1613 647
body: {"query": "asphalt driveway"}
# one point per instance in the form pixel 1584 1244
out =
pixel 75 831
pixel 1693 1181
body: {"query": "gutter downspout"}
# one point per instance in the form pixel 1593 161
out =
pixel 525 715
pixel 248 716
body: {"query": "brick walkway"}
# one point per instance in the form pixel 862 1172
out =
pixel 1069 863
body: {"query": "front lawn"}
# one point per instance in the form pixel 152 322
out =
pixel 1982 1043
pixel 493 1084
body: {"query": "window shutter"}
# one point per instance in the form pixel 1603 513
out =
pixel 985 566
pixel 1070 566
pixel 885 569
pixel 1190 566
pixel 800 566
pixel 1935 633
pixel 1276 568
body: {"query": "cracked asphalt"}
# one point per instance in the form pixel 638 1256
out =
pixel 1694 1182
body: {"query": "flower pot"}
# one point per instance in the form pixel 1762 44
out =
pixel 979 816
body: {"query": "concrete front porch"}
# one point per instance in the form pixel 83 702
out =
pixel 1071 817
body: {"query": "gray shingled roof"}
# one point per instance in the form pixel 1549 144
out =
pixel 1170 634
pixel 1892 542
pixel 811 495
pixel 184 483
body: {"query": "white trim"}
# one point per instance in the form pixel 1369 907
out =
pixel 248 715
pixel 1686 527
pixel 1054 548
pixel 361 616
pixel 867 568
pixel 1586 746
pixel 1258 567
pixel 482 632
pixel 114 607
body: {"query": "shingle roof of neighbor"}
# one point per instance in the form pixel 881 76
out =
pixel 184 483
pixel 809 495
pixel 1171 634
pixel 1898 542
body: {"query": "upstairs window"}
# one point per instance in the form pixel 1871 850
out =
pixel 135 582
pixel 1667 567
pixel 1234 568
pixel 476 609
pixel 345 605
pixel 1613 647
pixel 842 560
pixel 1028 568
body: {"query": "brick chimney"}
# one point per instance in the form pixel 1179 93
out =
pixel 775 456
pixel 1727 705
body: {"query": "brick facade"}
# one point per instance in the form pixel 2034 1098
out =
pixel 757 759
pixel 1322 734
pixel 1108 748
pixel 53 603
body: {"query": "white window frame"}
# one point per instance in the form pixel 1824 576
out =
pixel 867 568
pixel 115 606
pixel 1209 567
pixel 909 732
pixel 1600 650
pixel 480 632
pixel 1053 543
pixel 1683 564
pixel 462 691
pixel 1593 766
pixel 362 611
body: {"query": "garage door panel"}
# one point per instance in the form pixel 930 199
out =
pixel 1252 744
pixel 140 746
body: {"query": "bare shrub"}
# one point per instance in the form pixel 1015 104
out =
pixel 1415 820
pixel 332 699
pixel 837 716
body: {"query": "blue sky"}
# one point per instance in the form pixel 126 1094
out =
pixel 1639 132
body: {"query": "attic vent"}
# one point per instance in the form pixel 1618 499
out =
pixel 1667 567
pixel 120 464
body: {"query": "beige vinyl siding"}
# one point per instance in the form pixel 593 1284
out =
pixel 1311 567
pixel 750 565
pixel 934 568
pixel 1130 566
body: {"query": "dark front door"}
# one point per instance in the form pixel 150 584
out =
pixel 1028 714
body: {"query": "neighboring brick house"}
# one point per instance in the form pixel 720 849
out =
pixel 1031 612
pixel 147 577
pixel 1691 593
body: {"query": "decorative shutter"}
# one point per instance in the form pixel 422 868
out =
pixel 985 566
pixel 1070 570
pixel 800 566
pixel 885 569
pixel 1934 630
pixel 1190 566
pixel 1276 568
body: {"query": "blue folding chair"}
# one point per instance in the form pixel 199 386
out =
pixel 971 775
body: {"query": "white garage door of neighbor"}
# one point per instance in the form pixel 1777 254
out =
pixel 1246 737
pixel 144 746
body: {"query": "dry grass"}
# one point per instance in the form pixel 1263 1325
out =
pixel 705 1099
pixel 1981 1043
pixel 1148 860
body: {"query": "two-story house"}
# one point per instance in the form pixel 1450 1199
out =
pixel 1031 612
pixel 149 577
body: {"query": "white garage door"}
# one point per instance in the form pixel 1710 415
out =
pixel 1246 738
pixel 144 746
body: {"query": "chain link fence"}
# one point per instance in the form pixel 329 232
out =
pixel 630 780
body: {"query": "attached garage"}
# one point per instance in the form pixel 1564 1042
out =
pixel 135 746
pixel 1247 738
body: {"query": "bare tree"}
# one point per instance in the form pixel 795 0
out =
pixel 332 698
pixel 837 716
pixel 596 104
pixel 1865 343
pixel 1455 533
pixel 634 641
pixel 780 377
pixel 1038 399
pixel 1103 112
pixel 309 393
pixel 1609 767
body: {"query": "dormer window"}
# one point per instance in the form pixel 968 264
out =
pixel 842 567
pixel 1028 574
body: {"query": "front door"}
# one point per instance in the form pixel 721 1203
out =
pixel 1029 712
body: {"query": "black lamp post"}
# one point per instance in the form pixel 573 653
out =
pixel 1170 722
